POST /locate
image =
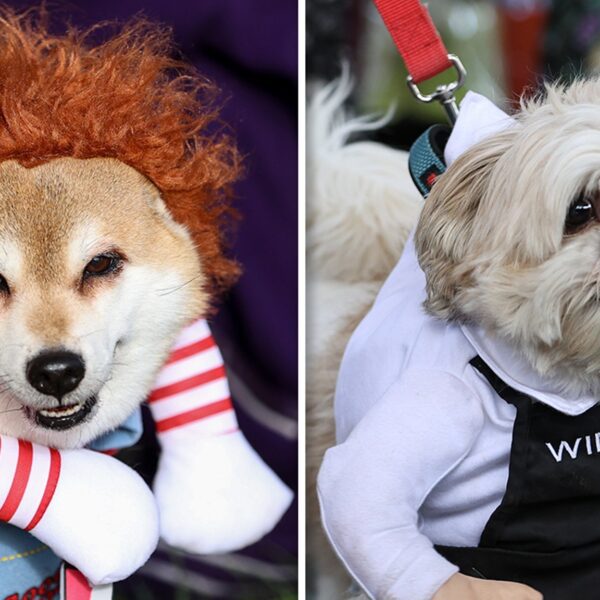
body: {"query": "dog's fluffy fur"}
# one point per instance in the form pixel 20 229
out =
pixel 361 206
pixel 492 242
pixel 125 98
pixel 103 148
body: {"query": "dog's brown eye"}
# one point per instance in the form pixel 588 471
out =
pixel 103 264
pixel 580 212
pixel 4 289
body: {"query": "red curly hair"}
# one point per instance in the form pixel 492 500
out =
pixel 126 98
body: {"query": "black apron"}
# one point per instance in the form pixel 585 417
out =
pixel 546 531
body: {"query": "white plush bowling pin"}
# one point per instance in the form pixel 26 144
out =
pixel 90 509
pixel 215 494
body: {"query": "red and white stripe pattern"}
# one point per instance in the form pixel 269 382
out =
pixel 192 386
pixel 30 474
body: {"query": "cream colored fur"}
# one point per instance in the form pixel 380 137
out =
pixel 491 238
pixel 361 206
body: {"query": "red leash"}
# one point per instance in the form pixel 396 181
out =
pixel 415 36
pixel 422 50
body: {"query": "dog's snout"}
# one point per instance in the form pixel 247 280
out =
pixel 55 372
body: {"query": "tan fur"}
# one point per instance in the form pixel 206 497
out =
pixel 115 90
pixel 445 233
pixel 42 206
pixel 54 218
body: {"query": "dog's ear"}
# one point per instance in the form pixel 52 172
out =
pixel 444 233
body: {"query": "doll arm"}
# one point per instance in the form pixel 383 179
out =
pixel 90 509
pixel 214 493
pixel 372 485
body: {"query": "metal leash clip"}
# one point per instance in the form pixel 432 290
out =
pixel 444 93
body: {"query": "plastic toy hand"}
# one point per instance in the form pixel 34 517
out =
pixel 462 587
pixel 90 509
pixel 215 494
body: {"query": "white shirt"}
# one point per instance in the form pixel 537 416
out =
pixel 423 440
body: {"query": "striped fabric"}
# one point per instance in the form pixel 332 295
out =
pixel 29 477
pixel 192 386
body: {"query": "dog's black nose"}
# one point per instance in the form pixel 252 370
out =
pixel 55 372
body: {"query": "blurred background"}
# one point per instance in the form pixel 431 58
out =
pixel 250 50
pixel 508 47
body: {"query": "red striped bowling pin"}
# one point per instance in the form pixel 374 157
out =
pixel 214 492
pixel 30 474
pixel 90 509
pixel 192 388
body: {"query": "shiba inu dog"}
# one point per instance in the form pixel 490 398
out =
pixel 91 297
pixel 115 181
pixel 113 199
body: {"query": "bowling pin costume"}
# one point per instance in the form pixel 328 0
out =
pixel 213 493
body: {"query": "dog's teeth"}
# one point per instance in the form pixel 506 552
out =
pixel 65 412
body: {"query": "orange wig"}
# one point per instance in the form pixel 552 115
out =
pixel 126 98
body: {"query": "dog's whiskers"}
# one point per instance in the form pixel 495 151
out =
pixel 90 333
pixel 167 291
pixel 6 388
pixel 102 382
pixel 13 345
pixel 120 364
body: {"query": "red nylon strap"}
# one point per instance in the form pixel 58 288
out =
pixel 415 36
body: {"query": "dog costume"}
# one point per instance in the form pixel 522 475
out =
pixel 127 99
pixel 453 453
pixel 213 492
